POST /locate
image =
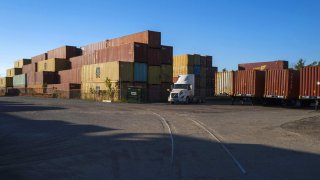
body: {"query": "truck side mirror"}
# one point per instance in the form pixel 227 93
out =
pixel 190 87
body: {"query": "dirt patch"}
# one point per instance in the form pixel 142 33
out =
pixel 307 126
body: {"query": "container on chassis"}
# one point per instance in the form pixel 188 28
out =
pixel 249 83
pixel 224 83
pixel 279 64
pixel 282 84
pixel 309 82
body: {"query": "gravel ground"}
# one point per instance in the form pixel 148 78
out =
pixel 74 139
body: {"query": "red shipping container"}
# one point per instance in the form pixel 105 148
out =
pixel 249 83
pixel 70 76
pixel 134 52
pixel 166 55
pixel 65 52
pixel 39 57
pixel 91 48
pixel 29 68
pixel 264 65
pixel 309 78
pixel 283 83
pixel 152 38
pixel 154 56
pixel 78 62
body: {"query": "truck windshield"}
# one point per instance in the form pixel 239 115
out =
pixel 181 86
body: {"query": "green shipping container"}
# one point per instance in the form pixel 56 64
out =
pixel 20 80
pixel 135 95
pixel 166 73
pixel 154 75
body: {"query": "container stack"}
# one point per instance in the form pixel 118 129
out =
pixel 200 66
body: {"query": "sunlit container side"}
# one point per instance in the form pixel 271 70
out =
pixel 64 52
pixel 91 48
pixel 115 71
pixel 97 91
pixel 6 82
pixel 140 72
pixel 183 60
pixel 152 38
pixel 13 71
pixel 65 90
pixel 180 70
pixel 309 82
pixel 282 84
pixel 20 80
pixel 270 65
pixel 29 68
pixel 20 63
pixel 249 83
pixel 166 55
pixel 166 73
pixel 154 56
pixel 79 61
pixel 224 83
pixel 133 52
pixel 71 76
pixel 154 75
pixel 39 57
pixel 53 65
pixel 41 78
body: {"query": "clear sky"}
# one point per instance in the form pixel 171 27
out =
pixel 232 31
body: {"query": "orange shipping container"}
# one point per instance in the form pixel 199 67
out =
pixel 72 76
pixel 264 65
pixel 249 83
pixel 309 78
pixel 282 84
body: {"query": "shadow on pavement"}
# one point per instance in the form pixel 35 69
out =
pixel 55 149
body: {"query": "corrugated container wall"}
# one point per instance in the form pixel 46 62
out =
pixel 115 71
pixel 91 48
pixel 249 83
pixel 134 52
pixel 224 83
pixel 20 80
pixel 152 38
pixel 39 57
pixel 166 73
pixel 6 82
pixel 166 55
pixel 41 78
pixel 264 65
pixel 309 76
pixel 78 62
pixel 72 76
pixel 53 65
pixel 183 64
pixel 140 72
pixel 283 83
pixel 154 76
pixel 29 68
pixel 14 71
pixel 154 56
pixel 65 52
pixel 20 63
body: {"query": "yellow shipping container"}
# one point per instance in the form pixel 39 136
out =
pixel 115 71
pixel 166 73
pixel 154 75
pixel 14 71
pixel 21 62
pixel 53 65
pixel 224 83
pixel 98 91
pixel 6 82
pixel 183 60
pixel 180 70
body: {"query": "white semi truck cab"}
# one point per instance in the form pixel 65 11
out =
pixel 184 90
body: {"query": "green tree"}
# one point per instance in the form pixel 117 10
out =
pixel 315 63
pixel 224 70
pixel 299 64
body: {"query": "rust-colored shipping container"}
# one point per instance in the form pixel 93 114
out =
pixel 65 52
pixel 39 57
pixel 203 61
pixel 91 48
pixel 283 84
pixel 209 61
pixel 166 55
pixel 65 90
pixel 154 56
pixel 29 68
pixel 309 79
pixel 133 52
pixel 79 61
pixel 72 76
pixel 249 83
pixel 42 78
pixel 152 38
pixel 270 65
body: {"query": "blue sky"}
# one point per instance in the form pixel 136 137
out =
pixel 232 31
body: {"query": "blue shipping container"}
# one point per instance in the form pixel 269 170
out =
pixel 140 72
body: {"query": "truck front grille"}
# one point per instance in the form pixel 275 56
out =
pixel 174 95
